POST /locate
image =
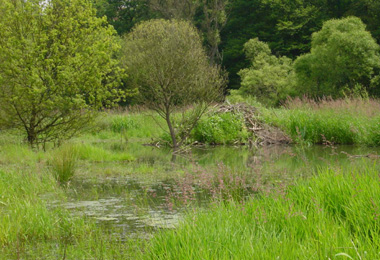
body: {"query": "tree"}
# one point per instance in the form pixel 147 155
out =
pixel 123 14
pixel 56 66
pixel 343 56
pixel 213 19
pixel 269 78
pixel 209 16
pixel 175 9
pixel 165 59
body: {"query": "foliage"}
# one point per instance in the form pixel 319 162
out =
pixel 166 61
pixel 285 25
pixel 57 66
pixel 123 15
pixel 225 128
pixel 343 55
pixel 209 16
pixel 335 213
pixel 269 78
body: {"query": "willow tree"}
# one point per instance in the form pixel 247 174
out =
pixel 56 66
pixel 166 61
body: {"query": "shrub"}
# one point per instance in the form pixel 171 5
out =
pixel 225 128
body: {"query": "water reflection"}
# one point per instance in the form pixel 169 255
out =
pixel 131 205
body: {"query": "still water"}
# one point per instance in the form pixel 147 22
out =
pixel 157 189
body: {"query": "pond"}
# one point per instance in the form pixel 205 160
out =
pixel 157 189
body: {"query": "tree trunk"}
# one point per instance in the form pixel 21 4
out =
pixel 31 136
pixel 31 130
pixel 171 129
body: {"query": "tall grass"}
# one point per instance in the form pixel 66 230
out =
pixel 64 163
pixel 26 217
pixel 343 121
pixel 130 125
pixel 334 215
pixel 94 153
pixel 32 228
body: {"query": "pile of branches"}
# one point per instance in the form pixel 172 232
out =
pixel 261 133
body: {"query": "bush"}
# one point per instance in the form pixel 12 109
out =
pixel 226 128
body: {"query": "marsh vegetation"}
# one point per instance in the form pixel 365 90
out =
pixel 126 133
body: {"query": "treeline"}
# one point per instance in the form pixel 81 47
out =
pixel 286 26
pixel 63 60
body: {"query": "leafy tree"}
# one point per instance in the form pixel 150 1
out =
pixel 175 9
pixel 212 21
pixel 247 19
pixel 209 16
pixel 343 56
pixel 123 14
pixel 269 78
pixel 56 66
pixel 286 25
pixel 165 59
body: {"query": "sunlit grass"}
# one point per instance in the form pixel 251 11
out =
pixel 346 121
pixel 333 214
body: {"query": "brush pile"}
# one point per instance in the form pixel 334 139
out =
pixel 262 133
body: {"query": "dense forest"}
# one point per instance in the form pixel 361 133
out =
pixel 286 26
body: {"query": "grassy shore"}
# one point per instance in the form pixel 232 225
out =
pixel 31 225
pixel 344 121
pixel 31 229
pixel 334 215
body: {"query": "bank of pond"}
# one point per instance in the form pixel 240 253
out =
pixel 299 121
pixel 105 195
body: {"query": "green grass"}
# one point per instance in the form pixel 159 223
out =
pixel 26 219
pixel 94 153
pixel 291 226
pixel 129 126
pixel 331 121
pixel 31 228
pixel 64 163
pixel 334 215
